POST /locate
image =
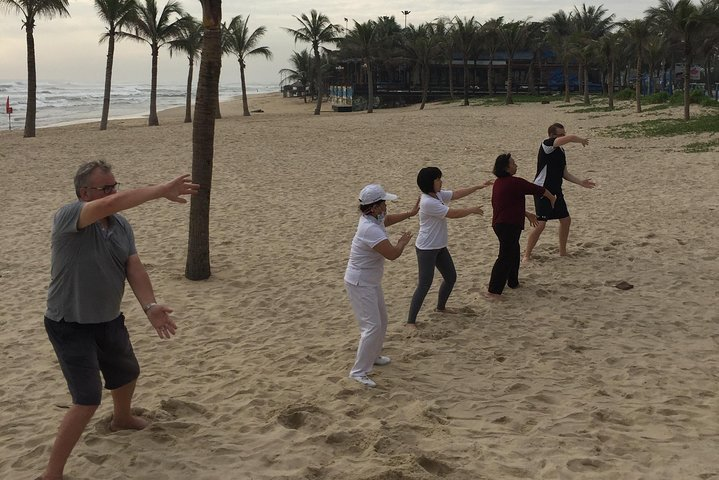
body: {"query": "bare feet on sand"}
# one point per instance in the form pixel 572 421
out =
pixel 451 311
pixel 411 326
pixel 494 297
pixel 132 423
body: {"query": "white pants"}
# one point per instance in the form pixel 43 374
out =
pixel 371 314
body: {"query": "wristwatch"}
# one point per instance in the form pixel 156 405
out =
pixel 146 308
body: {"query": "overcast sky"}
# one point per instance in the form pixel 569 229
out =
pixel 67 48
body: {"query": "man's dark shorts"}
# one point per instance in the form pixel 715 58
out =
pixel 85 350
pixel 545 211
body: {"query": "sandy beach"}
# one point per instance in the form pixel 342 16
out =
pixel 567 378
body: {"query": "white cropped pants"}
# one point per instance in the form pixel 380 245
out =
pixel 371 314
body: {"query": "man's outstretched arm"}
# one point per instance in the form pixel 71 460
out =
pixel 124 200
pixel 586 183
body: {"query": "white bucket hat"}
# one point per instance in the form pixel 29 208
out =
pixel 374 193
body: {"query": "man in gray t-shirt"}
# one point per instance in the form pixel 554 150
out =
pixel 93 253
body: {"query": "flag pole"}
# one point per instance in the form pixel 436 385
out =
pixel 8 110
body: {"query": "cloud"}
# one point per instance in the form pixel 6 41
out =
pixel 67 49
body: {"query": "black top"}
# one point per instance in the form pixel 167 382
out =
pixel 551 162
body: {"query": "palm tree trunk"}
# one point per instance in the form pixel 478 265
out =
pixel 31 81
pixel 203 138
pixel 370 87
pixel 585 69
pixel 490 77
pixel 318 107
pixel 153 120
pixel 466 80
pixel 424 83
pixel 108 80
pixel 610 86
pixel 652 86
pixel 508 100
pixel 687 73
pixel 566 80
pixel 530 76
pixel 451 87
pixel 188 95
pixel 638 83
pixel 245 107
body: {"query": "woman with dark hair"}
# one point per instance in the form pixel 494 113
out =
pixel 363 277
pixel 431 244
pixel 508 207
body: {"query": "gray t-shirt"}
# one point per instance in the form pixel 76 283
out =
pixel 88 267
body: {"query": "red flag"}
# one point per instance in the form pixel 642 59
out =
pixel 8 108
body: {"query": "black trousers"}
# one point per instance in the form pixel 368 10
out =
pixel 506 267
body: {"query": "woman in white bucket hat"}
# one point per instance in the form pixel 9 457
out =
pixel 363 277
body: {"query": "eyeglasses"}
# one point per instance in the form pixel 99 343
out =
pixel 106 188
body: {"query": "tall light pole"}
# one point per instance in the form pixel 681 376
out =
pixel 405 13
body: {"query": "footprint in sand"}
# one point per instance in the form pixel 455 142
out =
pixel 586 465
pixel 295 417
pixel 435 467
pixel 181 408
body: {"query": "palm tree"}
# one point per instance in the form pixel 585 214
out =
pixel 444 29
pixel 591 24
pixel 609 49
pixel 513 35
pixel 363 41
pixel 189 43
pixel 491 42
pixel 315 30
pixel 681 20
pixel 203 142
pixel 560 32
pixel 421 46
pixel 655 52
pixel 536 43
pixel 465 37
pixel 389 38
pixel 243 44
pixel 116 14
pixel 301 71
pixel 638 34
pixel 29 10
pixel 156 28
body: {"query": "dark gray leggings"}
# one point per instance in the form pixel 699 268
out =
pixel 426 261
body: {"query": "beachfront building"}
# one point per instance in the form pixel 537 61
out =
pixel 398 83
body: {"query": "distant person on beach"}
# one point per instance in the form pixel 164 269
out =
pixel 431 243
pixel 508 214
pixel 363 277
pixel 93 253
pixel 551 171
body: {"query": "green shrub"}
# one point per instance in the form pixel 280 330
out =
pixel 626 94
pixel 655 99
pixel 695 96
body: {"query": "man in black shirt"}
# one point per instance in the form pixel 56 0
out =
pixel 551 172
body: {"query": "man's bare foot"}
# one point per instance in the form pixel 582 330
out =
pixel 132 423
pixel 451 311
pixel 494 297
pixel 526 259
pixel 45 477
pixel 411 326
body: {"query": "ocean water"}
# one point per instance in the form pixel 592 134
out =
pixel 66 103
